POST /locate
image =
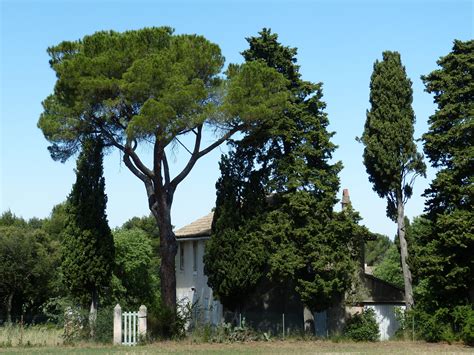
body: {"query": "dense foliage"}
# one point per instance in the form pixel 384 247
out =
pixel 87 242
pixel 274 223
pixel 448 265
pixel 376 249
pixel 274 214
pixel 135 279
pixel 389 269
pixel 442 240
pixel 362 326
pixel 25 265
pixel 390 155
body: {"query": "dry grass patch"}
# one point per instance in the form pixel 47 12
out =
pixel 271 347
pixel 34 335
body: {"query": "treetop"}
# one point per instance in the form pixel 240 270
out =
pixel 150 84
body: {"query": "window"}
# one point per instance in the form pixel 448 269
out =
pixel 181 256
pixel 195 256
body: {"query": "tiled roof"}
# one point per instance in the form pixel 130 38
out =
pixel 199 228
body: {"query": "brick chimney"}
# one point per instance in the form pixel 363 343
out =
pixel 346 200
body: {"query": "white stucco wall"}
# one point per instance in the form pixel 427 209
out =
pixel 385 316
pixel 191 286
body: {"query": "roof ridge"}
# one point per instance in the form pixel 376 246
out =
pixel 199 227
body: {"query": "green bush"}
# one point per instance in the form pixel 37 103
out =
pixel 464 323
pixel 55 307
pixel 104 325
pixel 77 327
pixel 165 323
pixel 434 327
pixel 226 333
pixel 362 327
pixel 405 320
pixel 467 332
pixel 447 325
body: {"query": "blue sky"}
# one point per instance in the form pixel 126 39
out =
pixel 337 41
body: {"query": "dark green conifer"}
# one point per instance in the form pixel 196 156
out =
pixel 390 154
pixel 448 263
pixel 87 243
pixel 274 214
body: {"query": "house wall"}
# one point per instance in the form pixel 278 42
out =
pixel 191 286
pixel 386 319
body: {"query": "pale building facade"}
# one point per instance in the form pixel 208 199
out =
pixel 191 283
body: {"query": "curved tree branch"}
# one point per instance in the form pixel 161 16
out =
pixel 136 160
pixel 196 154
pixel 145 179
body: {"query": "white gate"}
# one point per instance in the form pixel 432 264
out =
pixel 129 328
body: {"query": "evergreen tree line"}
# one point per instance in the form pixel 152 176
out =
pixel 275 218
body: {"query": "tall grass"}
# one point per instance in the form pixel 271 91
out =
pixel 30 335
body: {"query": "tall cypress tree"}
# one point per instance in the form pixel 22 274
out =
pixel 390 155
pixel 87 244
pixel 449 265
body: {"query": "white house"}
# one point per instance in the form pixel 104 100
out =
pixel 192 288
pixel 191 283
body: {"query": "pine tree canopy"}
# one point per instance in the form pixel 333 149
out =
pixel 149 84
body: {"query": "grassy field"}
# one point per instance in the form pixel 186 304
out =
pixel 12 336
pixel 271 347
pixel 48 340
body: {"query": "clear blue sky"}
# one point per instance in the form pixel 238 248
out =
pixel 337 41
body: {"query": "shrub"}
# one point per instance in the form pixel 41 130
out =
pixel 433 327
pixel 226 333
pixel 104 325
pixel 467 332
pixel 77 328
pixel 405 320
pixel 54 309
pixel 165 323
pixel 75 324
pixel 464 323
pixel 362 327
pixel 447 325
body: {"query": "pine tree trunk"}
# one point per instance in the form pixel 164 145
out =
pixel 404 253
pixel 168 250
pixel 93 313
pixel 9 308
